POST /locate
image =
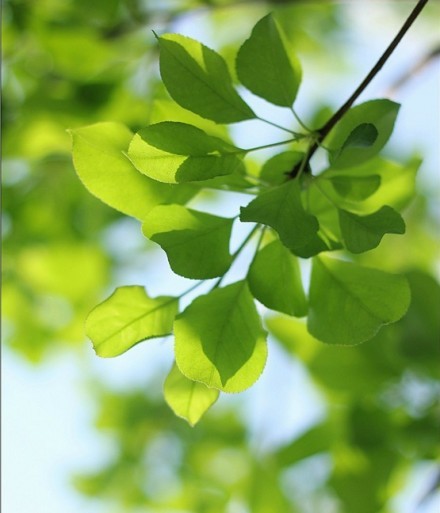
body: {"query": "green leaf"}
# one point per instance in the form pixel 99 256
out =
pixel 220 341
pixel 169 110
pixel 363 136
pixel 188 399
pixel 274 170
pixel 128 317
pixel 281 208
pixel 349 303
pixel 173 152
pixel 356 188
pixel 361 133
pixel 362 233
pixel 317 244
pixel 109 175
pixel 196 244
pixel 267 67
pixel 275 280
pixel 198 79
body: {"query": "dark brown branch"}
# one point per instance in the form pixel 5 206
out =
pixel 325 129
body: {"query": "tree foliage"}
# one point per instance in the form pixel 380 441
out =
pixel 319 267
pixel 219 341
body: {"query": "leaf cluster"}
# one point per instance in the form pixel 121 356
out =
pixel 296 213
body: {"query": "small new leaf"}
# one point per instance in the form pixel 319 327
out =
pixel 275 280
pixel 281 208
pixel 196 243
pixel 198 79
pixel 174 152
pixel 267 67
pixel 349 303
pixel 110 176
pixel 219 339
pixel 128 317
pixel 188 399
pixel 361 133
pixel 362 233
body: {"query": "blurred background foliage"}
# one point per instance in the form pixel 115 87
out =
pixel 70 63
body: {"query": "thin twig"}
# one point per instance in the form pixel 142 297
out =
pixel 326 128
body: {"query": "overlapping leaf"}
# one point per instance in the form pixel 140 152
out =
pixel 274 170
pixel 110 176
pixel 361 133
pixel 349 303
pixel 188 399
pixel 275 280
pixel 362 233
pixel 282 209
pixel 174 152
pixel 220 341
pixel 128 317
pixel 198 79
pixel 196 243
pixel 267 67
pixel 355 188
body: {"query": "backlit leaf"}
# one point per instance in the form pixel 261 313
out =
pixel 356 188
pixel 267 67
pixel 128 317
pixel 349 303
pixel 110 176
pixel 198 79
pixel 361 133
pixel 281 208
pixel 220 340
pixel 362 233
pixel 173 152
pixel 196 243
pixel 188 399
pixel 275 280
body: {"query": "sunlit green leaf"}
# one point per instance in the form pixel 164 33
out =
pixel 349 303
pixel 362 133
pixel 110 176
pixel 128 317
pixel 220 340
pixel 188 399
pixel 198 79
pixel 267 67
pixel 362 233
pixel 275 280
pixel 173 152
pixel 196 243
pixel 281 208
pixel 169 110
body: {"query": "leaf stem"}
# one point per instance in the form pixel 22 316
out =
pixel 183 294
pixel 296 134
pixel 337 116
pixel 264 146
pixel 300 120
